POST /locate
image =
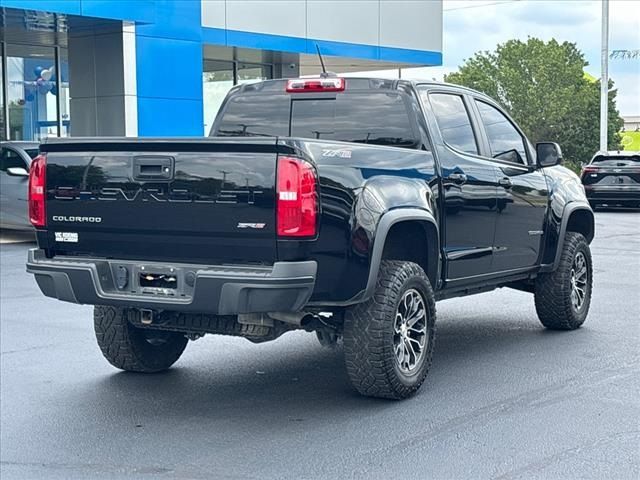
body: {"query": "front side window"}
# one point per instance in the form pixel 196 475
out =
pixel 453 120
pixel 505 141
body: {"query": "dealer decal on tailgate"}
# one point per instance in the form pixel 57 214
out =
pixel 69 237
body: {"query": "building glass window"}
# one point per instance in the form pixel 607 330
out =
pixel 3 127
pixel 33 85
pixel 217 79
pixel 32 105
pixel 63 93
pixel 218 76
pixel 249 73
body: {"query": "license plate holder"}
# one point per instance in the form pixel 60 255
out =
pixel 159 280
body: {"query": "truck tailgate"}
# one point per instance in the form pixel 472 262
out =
pixel 205 200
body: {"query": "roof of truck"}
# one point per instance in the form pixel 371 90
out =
pixel 434 83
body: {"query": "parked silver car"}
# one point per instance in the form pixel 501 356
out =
pixel 15 160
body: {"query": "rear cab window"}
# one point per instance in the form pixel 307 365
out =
pixel 374 116
pixel 254 115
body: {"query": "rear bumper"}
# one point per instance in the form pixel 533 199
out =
pixel 613 193
pixel 222 290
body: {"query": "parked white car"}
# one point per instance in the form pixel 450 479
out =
pixel 15 160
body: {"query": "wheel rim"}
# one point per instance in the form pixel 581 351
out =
pixel 410 331
pixel 579 281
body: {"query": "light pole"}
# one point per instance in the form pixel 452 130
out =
pixel 604 77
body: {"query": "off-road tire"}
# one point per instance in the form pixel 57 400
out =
pixel 369 329
pixel 553 290
pixel 128 347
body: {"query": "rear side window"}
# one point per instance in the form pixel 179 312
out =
pixel 255 115
pixel 375 118
pixel 453 121
pixel 505 141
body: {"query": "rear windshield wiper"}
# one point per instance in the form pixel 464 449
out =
pixel 240 133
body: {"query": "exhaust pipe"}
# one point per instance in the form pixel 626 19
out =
pixel 299 319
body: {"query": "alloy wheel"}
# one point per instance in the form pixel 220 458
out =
pixel 579 280
pixel 410 331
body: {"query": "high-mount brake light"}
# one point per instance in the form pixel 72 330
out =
pixel 297 198
pixel 307 85
pixel 38 191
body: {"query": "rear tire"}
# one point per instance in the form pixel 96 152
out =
pixel 135 349
pixel 389 339
pixel 559 301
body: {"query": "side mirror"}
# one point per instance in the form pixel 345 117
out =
pixel 548 154
pixel 17 172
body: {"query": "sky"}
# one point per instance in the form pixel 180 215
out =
pixel 473 25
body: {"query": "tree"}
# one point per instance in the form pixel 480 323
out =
pixel 544 88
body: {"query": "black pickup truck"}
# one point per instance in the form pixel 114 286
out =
pixel 344 206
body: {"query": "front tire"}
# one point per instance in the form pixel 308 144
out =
pixel 563 297
pixel 389 339
pixel 135 349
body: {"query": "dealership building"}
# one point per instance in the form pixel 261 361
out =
pixel 162 67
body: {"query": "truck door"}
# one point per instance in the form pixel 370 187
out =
pixel 522 191
pixel 469 185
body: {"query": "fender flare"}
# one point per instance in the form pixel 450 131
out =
pixel 385 223
pixel 569 209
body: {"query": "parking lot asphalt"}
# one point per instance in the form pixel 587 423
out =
pixel 505 399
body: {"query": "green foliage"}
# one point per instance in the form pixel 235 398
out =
pixel 543 87
pixel 631 140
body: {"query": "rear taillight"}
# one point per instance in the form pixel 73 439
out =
pixel 37 191
pixel 587 170
pixel 300 85
pixel 297 198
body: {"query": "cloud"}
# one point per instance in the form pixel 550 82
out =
pixel 543 14
pixel 472 25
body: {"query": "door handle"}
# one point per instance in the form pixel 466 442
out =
pixel 457 178
pixel 153 168
pixel 505 182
